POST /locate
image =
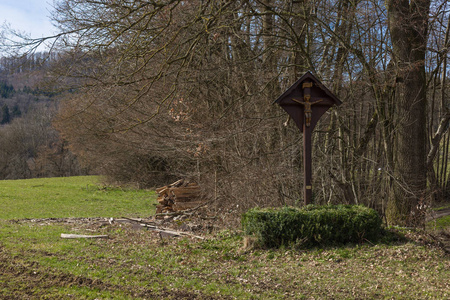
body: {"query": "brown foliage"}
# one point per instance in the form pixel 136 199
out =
pixel 184 90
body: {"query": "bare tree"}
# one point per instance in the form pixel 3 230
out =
pixel 408 24
pixel 184 88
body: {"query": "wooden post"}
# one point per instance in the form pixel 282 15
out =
pixel 307 162
pixel 307 149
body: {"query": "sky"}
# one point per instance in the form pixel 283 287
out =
pixel 29 16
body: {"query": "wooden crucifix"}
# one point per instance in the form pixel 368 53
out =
pixel 305 102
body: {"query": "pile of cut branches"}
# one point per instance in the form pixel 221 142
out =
pixel 178 196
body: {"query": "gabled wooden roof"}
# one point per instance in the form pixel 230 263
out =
pixel 309 75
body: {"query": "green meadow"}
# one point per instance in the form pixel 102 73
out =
pixel 134 263
pixel 82 196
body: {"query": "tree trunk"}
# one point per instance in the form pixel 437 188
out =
pixel 408 22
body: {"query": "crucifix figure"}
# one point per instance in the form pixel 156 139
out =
pixel 307 104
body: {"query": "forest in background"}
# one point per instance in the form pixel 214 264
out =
pixel 30 146
pixel 152 91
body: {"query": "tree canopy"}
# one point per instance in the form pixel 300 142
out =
pixel 165 89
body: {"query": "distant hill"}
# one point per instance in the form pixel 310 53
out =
pixel 21 88
pixel 30 146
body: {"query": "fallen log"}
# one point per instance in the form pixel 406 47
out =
pixel 171 232
pixel 82 236
pixel 152 226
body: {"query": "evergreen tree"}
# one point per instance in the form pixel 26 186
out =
pixel 6 90
pixel 6 116
pixel 16 112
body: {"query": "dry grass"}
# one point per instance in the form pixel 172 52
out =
pixel 140 264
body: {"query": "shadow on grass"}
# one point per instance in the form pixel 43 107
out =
pixel 393 236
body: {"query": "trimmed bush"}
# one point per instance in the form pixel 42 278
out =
pixel 312 225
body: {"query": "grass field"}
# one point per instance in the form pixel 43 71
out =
pixel 35 263
pixel 82 196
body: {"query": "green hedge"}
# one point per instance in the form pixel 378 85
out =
pixel 312 225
